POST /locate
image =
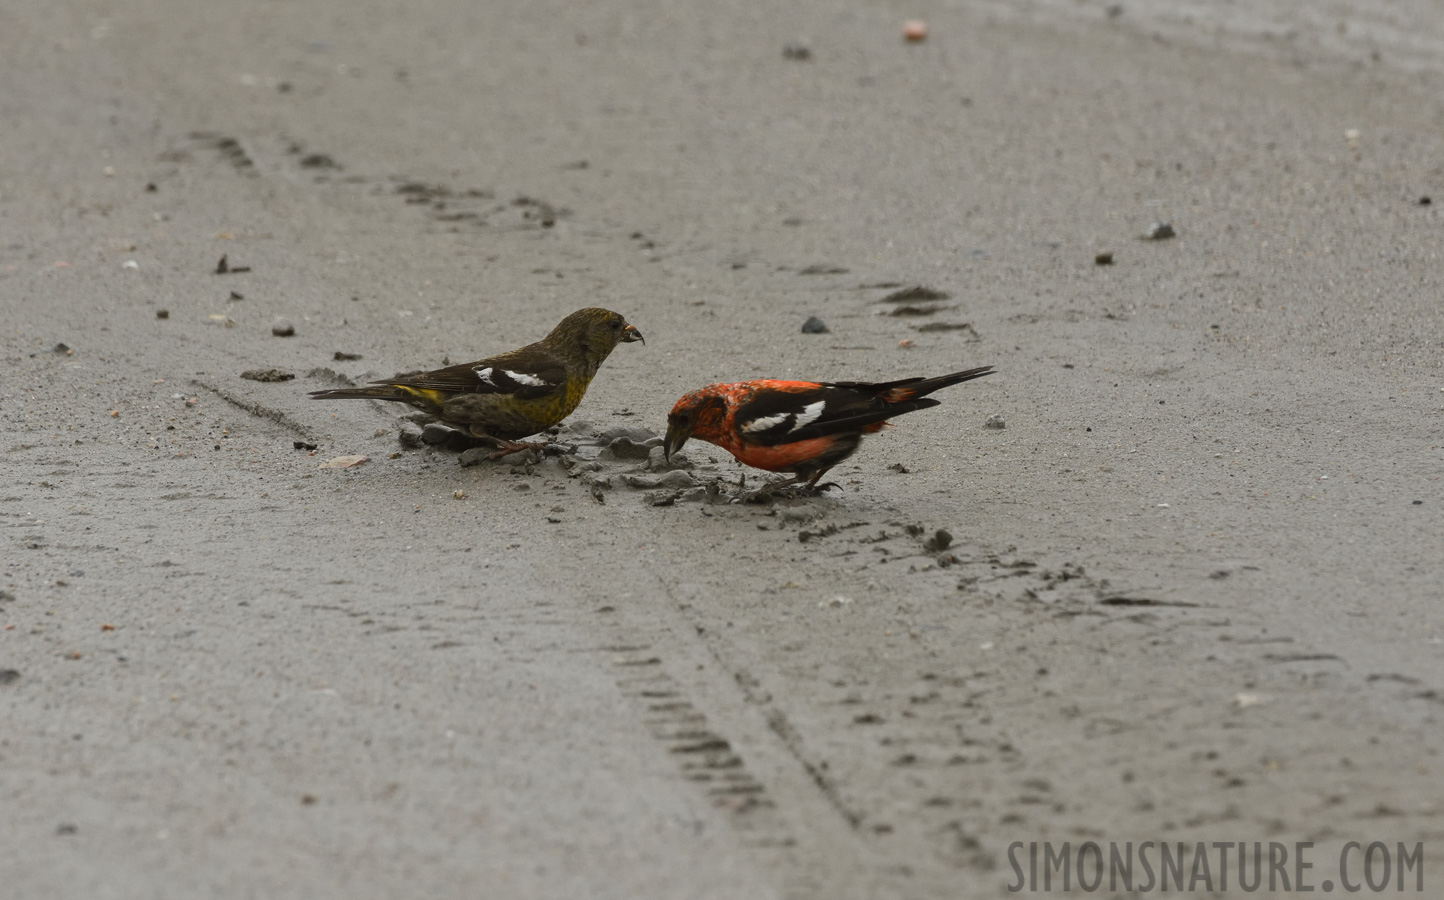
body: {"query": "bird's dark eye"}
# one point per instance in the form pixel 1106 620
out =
pixel 617 324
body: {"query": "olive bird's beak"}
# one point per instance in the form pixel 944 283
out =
pixel 631 334
pixel 677 435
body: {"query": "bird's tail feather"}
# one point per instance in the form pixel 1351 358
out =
pixel 370 392
pixel 910 388
pixel 928 385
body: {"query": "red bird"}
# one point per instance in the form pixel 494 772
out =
pixel 802 427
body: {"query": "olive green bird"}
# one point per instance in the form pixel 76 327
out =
pixel 503 398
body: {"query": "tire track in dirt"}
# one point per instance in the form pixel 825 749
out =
pixel 951 744
pixel 735 761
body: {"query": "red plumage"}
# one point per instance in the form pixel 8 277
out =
pixel 801 427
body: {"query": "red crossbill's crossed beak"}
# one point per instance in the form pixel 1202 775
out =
pixel 677 435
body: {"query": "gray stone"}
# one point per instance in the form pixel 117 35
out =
pixel 475 456
pixel 1159 231
pixel 631 432
pixel 436 433
pixel 673 479
pixel 267 375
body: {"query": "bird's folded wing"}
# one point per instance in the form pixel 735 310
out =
pixel 781 417
pixel 526 374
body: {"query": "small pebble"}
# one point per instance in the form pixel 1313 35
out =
pixel 915 30
pixel 474 456
pixel 674 479
pixel 1159 231
pixel 283 328
pixel 409 434
pixel 302 445
pixel 941 540
pixel 796 51
pixel 267 375
pixel 1103 259
pixel 162 314
pixel 995 421
pixel 906 344
pixel 814 325
pixel 339 356
pixel 342 462
pixel 459 494
pixel 1425 201
pixel 131 264
pixel 435 433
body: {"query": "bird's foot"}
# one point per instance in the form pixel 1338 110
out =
pixel 791 489
pixel 507 448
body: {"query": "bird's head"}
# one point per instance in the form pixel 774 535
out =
pixel 699 414
pixel 594 332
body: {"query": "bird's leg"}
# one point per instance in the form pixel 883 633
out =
pixel 813 488
pixel 784 486
pixel 507 448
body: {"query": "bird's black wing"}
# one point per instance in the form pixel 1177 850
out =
pixel 772 417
